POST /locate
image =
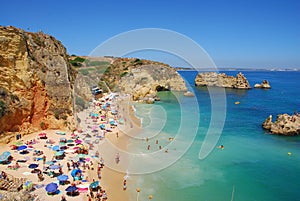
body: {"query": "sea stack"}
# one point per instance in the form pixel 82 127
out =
pixel 284 125
pixel 264 85
pixel 213 79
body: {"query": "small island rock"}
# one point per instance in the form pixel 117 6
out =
pixel 213 79
pixel 284 125
pixel 264 85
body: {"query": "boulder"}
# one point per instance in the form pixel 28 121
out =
pixel 189 94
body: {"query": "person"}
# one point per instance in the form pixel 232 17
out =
pixel 99 174
pixel 102 162
pixel 156 142
pixel 117 158
pixel 148 147
pixel 63 198
pixel 124 185
pixel 117 133
pixel 221 146
pixel 44 159
pixel 69 166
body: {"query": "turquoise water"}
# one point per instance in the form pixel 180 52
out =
pixel 254 165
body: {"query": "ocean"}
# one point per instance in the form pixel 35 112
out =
pixel 253 166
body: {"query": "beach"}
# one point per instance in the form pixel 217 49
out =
pixel 88 136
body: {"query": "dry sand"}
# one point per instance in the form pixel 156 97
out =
pixel 111 181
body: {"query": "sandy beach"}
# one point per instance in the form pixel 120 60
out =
pixel 91 136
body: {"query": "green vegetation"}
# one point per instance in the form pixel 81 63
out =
pixel 123 74
pixel 77 62
pixel 59 113
pixel 102 86
pixel 3 108
pixel 80 102
pixel 96 63
pixel 43 125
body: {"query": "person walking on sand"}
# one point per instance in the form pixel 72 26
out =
pixel 124 185
pixel 117 158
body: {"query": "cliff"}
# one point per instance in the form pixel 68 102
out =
pixel 213 79
pixel 284 125
pixel 142 78
pixel 36 82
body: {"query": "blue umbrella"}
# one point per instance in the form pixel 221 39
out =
pixel 74 172
pixel 63 177
pixel 52 187
pixel 33 166
pixel 71 188
pixel 22 147
pixel 95 184
pixel 49 162
pixel 53 167
pixel 55 148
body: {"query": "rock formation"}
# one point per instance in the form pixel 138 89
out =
pixel 265 85
pixel 213 79
pixel 35 82
pixel 284 125
pixel 143 79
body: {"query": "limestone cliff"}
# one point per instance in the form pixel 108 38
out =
pixel 35 82
pixel 142 78
pixel 214 79
pixel 284 125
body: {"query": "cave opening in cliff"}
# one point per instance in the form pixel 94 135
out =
pixel 161 88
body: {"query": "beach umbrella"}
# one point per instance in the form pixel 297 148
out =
pixel 33 166
pixel 27 185
pixel 4 156
pixel 51 188
pixel 60 132
pixel 78 141
pixel 49 162
pixel 42 135
pixel 59 153
pixel 70 141
pixel 17 143
pixel 102 126
pixel 71 189
pixel 74 172
pixel 53 167
pixel 22 147
pixel 95 184
pixel 63 177
pixel 56 148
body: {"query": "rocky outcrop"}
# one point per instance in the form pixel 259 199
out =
pixel 145 81
pixel 265 85
pixel 143 78
pixel 213 79
pixel 36 82
pixel 284 125
pixel 189 94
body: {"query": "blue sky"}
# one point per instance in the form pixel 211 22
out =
pixel 235 33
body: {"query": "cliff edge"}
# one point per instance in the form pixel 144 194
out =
pixel 36 82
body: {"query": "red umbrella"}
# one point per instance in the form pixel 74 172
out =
pixel 42 134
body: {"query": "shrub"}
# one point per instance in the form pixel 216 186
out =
pixel 3 108
pixel 43 125
pixel 123 74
